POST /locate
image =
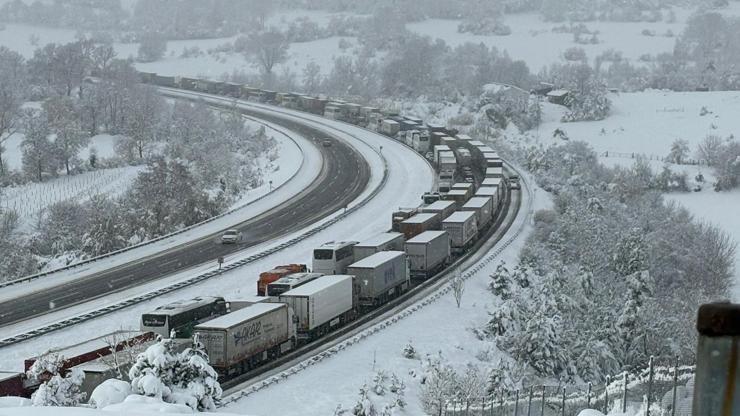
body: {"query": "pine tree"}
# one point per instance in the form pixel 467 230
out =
pixel 500 284
pixel 156 371
pixel 409 351
pixel 630 256
pixel 197 381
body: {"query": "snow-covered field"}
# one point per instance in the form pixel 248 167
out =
pixel 409 177
pixel 647 123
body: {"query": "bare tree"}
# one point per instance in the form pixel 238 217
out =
pixel 458 287
pixel 12 79
pixel 123 351
pixel 269 48
pixel 709 149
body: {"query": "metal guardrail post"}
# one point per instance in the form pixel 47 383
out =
pixel 588 396
pixel 606 395
pixel 624 394
pixel 516 404
pixel 649 386
pixel 717 379
pixel 529 405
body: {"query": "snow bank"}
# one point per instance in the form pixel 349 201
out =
pixel 12 401
pixel 133 406
pixel 109 392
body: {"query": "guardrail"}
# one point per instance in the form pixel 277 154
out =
pixel 317 358
pixel 205 276
pixel 163 237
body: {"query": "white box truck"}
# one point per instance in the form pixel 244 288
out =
pixel 463 229
pixel 321 304
pixel 390 241
pixel 482 206
pixel 381 277
pixel 428 253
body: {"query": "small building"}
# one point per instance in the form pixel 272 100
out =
pixel 558 96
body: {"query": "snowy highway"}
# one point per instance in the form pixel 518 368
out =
pixel 408 176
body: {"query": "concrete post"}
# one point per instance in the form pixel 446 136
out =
pixel 717 379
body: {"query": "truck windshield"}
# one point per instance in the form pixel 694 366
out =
pixel 323 254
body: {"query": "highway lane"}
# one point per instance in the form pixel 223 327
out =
pixel 344 176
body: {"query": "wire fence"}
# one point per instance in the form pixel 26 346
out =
pixel 661 389
pixel 647 156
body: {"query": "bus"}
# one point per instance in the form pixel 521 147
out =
pixel 333 257
pixel 181 316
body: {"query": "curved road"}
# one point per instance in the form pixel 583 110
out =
pixel 344 176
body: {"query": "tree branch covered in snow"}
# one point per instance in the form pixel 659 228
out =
pixel 607 271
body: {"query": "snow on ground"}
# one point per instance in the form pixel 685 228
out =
pixel 409 177
pixel 301 164
pixel 647 123
pixel 441 326
pixel 31 199
pixel 134 405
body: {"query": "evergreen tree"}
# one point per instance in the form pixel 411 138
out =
pixel 501 282
pixel 631 253
pixel 197 380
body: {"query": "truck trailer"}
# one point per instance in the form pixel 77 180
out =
pixel 463 229
pixel 443 208
pixel 241 340
pixel 322 304
pixel 428 252
pixel 381 277
pixel 482 206
pixel 419 223
pixel 390 241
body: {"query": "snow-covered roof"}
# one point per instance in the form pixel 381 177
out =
pixel 295 277
pixel 558 93
pixel 485 149
pixel 462 185
pixel 377 259
pixel 446 153
pixel 491 155
pixel 5 375
pixel 317 285
pixel 491 182
pixel 457 192
pixel 389 121
pixel 477 143
pixel 426 237
pixel 487 191
pixel 464 137
pixel 185 305
pixel 464 152
pixel 477 202
pixel 419 218
pixel 89 345
pixel 495 171
pixel 458 217
pixel 242 315
pixel 441 147
pixel 438 206
pixel 379 239
pixel 336 244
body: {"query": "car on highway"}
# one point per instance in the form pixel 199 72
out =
pixel 230 237
pixel 326 143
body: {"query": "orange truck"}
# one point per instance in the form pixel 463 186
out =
pixel 275 274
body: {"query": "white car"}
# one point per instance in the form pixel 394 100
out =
pixel 230 237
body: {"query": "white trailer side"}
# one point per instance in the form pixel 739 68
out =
pixel 427 252
pixel 322 301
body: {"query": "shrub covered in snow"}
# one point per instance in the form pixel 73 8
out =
pixel 109 392
pixel 56 390
pixel 184 378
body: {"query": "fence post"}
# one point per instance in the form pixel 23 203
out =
pixel 516 404
pixel 563 412
pixel 606 395
pixel 650 385
pixel 492 402
pixel 542 408
pixel 529 405
pixel 675 385
pixel 717 377
pixel 467 407
pixel 501 401
pixel 588 396
pixel 624 394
